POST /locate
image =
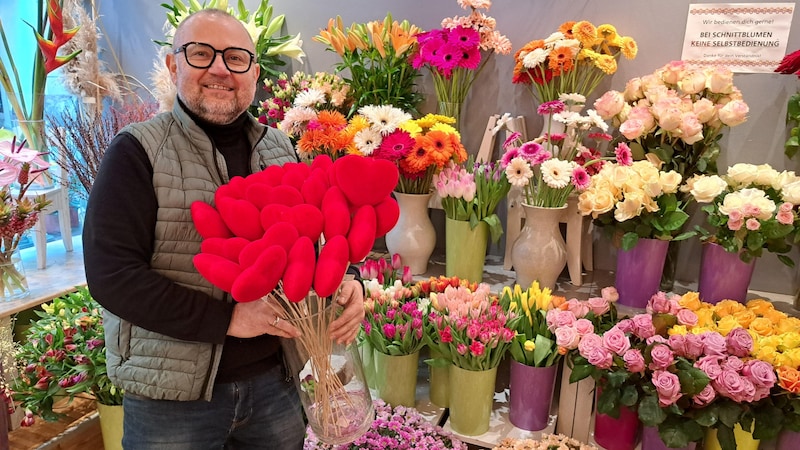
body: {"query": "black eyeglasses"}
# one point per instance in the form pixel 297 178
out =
pixel 202 56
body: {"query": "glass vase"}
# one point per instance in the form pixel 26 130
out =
pixel 329 377
pixel 13 283
pixel 451 109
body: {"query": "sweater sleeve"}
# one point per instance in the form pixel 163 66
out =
pixel 118 238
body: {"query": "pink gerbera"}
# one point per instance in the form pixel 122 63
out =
pixel 510 139
pixel 600 136
pixel 551 107
pixel 530 150
pixel 623 154
pixel 447 58
pixel 394 146
pixel 580 178
pixel 508 156
pixel 464 37
pixel 470 58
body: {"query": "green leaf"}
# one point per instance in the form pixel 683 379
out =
pixel 544 347
pixel 650 413
pixel 629 240
pixel 726 438
pixel 495 227
pixel 678 432
pixel 580 371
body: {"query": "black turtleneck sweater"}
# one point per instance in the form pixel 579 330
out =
pixel 118 241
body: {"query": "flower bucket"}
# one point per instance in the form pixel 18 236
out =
pixel 616 434
pixel 530 395
pixel 788 440
pixel 652 441
pixel 639 270
pixel 723 276
pixel 465 249
pixel 471 399
pixel 540 253
pixel 111 419
pixel 396 378
pixel 329 377
pixel 744 439
pixel 438 383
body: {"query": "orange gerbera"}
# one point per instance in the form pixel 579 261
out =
pixel 585 32
pixel 561 60
pixel 527 48
pixel 566 29
pixel 332 119
pixel 417 160
pixel 459 152
pixel 440 146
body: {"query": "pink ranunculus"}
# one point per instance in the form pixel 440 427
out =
pixel 658 303
pixel 584 326
pixel 567 337
pixel 632 129
pixel 598 305
pixel 610 293
pixel 616 341
pixel 761 373
pixel 732 385
pixel 733 113
pixel 599 357
pixel 643 325
pixel 626 325
pixel 714 344
pixel 704 397
pixel 668 387
pixel 588 343
pixel 577 308
pixel 634 361
pixel 687 317
pixel 739 342
pixel 710 366
pixel 609 104
pixel 661 357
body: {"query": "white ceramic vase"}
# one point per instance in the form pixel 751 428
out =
pixel 540 253
pixel 413 237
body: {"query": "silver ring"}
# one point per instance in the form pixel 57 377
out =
pixel 275 322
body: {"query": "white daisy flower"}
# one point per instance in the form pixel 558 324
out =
pixel 554 38
pixel 596 120
pixel 519 172
pixel 309 98
pixel 367 140
pixel 572 99
pixel 384 118
pixel 556 173
pixel 535 57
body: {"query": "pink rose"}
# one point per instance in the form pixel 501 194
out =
pixel 785 217
pixel 705 110
pixel 560 319
pixel 720 80
pixel 687 317
pixel 739 342
pixel 656 339
pixel 626 325
pixel 661 357
pixel 577 308
pixel 694 346
pixel 633 89
pixel 658 303
pixel 643 325
pixel 761 373
pixel 599 357
pixel 691 128
pixel 692 82
pixel 610 293
pixel 714 344
pixel 710 366
pixel 584 326
pixel 733 113
pixel 634 361
pixel 616 341
pixel 668 387
pixel 731 385
pixel 732 363
pixel 706 396
pixel 643 115
pixel 609 104
pixel 598 305
pixel 673 71
pixel 632 129
pixel 589 342
pixel 669 118
pixel 677 342
pixel 752 224
pixel 735 225
pixel 567 337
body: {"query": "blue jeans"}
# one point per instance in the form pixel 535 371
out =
pixel 260 413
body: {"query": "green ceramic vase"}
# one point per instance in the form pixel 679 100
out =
pixel 396 378
pixel 466 249
pixel 471 399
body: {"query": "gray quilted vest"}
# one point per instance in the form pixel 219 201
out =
pixel 186 168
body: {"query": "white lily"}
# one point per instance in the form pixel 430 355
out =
pixel 291 48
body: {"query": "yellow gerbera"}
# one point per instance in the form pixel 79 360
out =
pixel 608 32
pixel 628 47
pixel 606 63
pixel 585 32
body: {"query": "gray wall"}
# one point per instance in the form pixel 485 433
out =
pixel 658 27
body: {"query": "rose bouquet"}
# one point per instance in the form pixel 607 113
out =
pixel 264 238
pixel 63 356
pixel 751 208
pixel 573 59
pixel 791 65
pixel 301 96
pixel 472 193
pixel 552 166
pixel 394 428
pixel 635 200
pixel 453 54
pixel 677 114
pixel 377 55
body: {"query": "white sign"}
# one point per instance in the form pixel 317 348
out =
pixel 745 37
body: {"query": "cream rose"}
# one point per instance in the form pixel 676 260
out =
pixel 692 82
pixel 791 192
pixel 629 208
pixel 734 113
pixel 670 181
pixel 719 80
pixel 766 175
pixel 705 110
pixel 632 128
pixel 633 90
pixel 705 189
pixel 742 174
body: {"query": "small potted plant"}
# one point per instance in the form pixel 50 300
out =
pixel 63 356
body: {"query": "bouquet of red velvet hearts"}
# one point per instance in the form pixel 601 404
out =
pixel 291 232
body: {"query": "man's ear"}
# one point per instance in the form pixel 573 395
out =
pixel 172 65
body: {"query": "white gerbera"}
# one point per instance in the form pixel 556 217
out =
pixel 596 120
pixel 519 172
pixel 384 118
pixel 556 173
pixel 367 140
pixel 534 58
pixel 309 98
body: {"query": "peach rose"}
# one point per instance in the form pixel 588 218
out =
pixel 706 188
pixel 692 82
pixel 789 379
pixel 734 113
pixel 632 128
pixel 719 80
pixel 610 104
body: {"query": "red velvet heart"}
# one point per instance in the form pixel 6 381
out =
pixel 386 214
pixel 336 213
pixel 208 221
pixel 331 266
pixel 238 186
pixel 272 175
pixel 225 191
pixel 361 236
pixel 233 247
pixel 282 233
pixel 323 162
pixel 307 219
pixel 214 246
pixel 218 270
pixel 241 217
pixel 299 272
pixel 295 174
pixel 285 195
pixel 258 194
pixel 365 181
pixel 272 214
pixel 261 278
pixel 314 189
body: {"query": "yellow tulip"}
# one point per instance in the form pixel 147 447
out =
pixel 529 345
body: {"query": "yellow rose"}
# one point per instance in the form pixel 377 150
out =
pixel 603 202
pixel 726 324
pixel 788 324
pixel 727 307
pixel 705 318
pixel 759 306
pixel 768 341
pixel 793 357
pixel 782 359
pixel 677 329
pixel 767 354
pixel 744 317
pixel 691 300
pixel 762 326
pixel 790 340
pixel 700 330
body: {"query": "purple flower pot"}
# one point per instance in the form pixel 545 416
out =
pixel 639 272
pixel 530 395
pixel 788 440
pixel 723 276
pixel 652 441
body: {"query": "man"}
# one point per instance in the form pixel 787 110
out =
pixel 199 371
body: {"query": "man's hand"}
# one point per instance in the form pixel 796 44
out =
pixel 344 329
pixel 259 317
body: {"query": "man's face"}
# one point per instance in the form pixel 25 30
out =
pixel 215 93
